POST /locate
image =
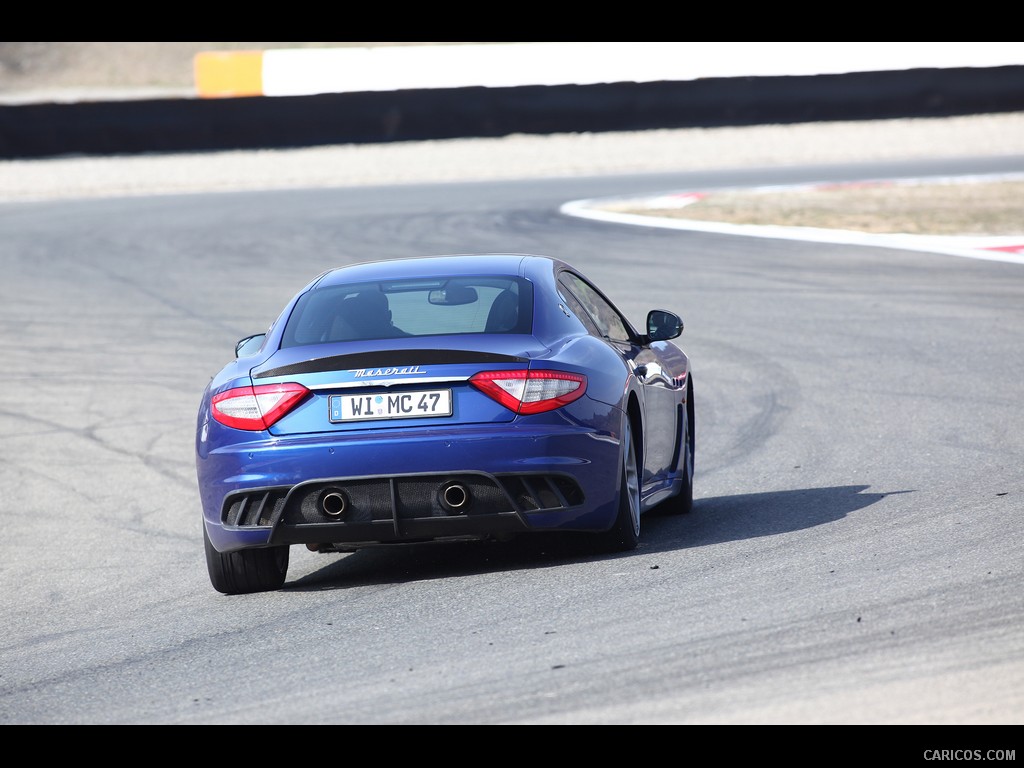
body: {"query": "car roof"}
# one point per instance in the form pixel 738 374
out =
pixel 453 265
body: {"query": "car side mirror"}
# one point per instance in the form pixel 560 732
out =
pixel 250 345
pixel 663 325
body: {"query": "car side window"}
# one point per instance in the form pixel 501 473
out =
pixel 605 318
pixel 574 306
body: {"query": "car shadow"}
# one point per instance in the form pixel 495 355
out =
pixel 713 520
pixel 749 516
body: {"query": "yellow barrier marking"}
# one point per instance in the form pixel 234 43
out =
pixel 220 75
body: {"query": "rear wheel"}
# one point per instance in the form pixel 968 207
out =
pixel 249 570
pixel 625 533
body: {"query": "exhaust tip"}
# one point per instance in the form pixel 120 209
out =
pixel 333 502
pixel 455 497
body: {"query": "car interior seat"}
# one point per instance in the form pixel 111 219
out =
pixel 504 313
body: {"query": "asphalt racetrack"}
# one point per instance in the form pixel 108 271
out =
pixel 853 556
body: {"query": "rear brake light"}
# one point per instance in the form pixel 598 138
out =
pixel 528 391
pixel 256 408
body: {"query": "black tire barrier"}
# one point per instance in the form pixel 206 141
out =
pixel 199 125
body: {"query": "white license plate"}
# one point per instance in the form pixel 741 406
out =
pixel 390 405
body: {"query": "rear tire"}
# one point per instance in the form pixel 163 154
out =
pixel 246 571
pixel 624 535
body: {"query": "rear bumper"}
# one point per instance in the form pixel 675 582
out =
pixel 403 486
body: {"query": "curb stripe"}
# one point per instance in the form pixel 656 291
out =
pixel 949 246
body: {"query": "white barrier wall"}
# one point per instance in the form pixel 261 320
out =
pixel 306 72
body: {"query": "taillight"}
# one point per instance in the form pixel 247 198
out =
pixel 528 391
pixel 256 408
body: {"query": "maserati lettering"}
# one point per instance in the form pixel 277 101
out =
pixel 409 370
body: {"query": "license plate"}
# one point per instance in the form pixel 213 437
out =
pixel 390 405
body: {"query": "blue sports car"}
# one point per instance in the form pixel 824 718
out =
pixel 441 398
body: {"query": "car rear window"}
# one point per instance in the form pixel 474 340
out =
pixel 435 307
